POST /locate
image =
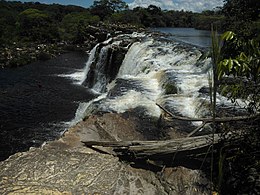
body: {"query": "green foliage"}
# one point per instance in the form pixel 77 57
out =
pixel 105 8
pixel 236 72
pixel 31 14
pixel 241 15
pixel 36 22
pixel 242 10
pixel 32 22
pixel 8 19
pixel 73 26
pixel 125 17
pixel 202 21
pixel 150 17
pixel 240 59
pixel 35 25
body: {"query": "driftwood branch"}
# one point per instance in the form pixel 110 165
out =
pixel 197 129
pixel 142 149
pixel 146 149
pixel 208 120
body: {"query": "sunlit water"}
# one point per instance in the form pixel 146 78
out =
pixel 201 38
pixel 150 64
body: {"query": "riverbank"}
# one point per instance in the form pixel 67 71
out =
pixel 19 54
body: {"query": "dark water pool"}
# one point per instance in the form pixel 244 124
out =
pixel 36 104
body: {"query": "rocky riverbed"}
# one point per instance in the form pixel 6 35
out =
pixel 66 166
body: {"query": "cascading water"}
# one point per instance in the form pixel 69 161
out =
pixel 152 71
pixel 96 78
pixel 104 62
pixel 91 59
pixel 169 65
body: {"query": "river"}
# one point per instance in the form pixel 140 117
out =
pixel 201 38
pixel 38 102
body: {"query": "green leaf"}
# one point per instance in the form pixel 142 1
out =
pixel 225 90
pixel 236 68
pixel 243 56
pixel 229 35
pixel 230 64
pixel 225 62
pixel 220 74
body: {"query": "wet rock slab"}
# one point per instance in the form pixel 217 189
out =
pixel 65 166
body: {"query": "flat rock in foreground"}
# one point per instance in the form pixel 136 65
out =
pixel 47 171
pixel 66 167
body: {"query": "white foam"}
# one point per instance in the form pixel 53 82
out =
pixel 91 59
pixel 145 59
pixel 133 58
pixel 144 63
pixel 191 83
pixel 76 77
pixel 131 100
pixel 81 112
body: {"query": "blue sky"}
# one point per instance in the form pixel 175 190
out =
pixel 187 5
pixel 83 3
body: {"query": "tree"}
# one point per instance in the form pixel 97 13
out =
pixel 125 17
pixel 240 15
pixel 36 25
pixel 7 22
pixel 240 59
pixel 236 70
pixel 246 10
pixel 104 8
pixel 154 10
pixel 73 26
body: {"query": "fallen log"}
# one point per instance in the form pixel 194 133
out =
pixel 209 120
pixel 143 149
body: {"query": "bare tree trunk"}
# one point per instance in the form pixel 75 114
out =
pixel 143 149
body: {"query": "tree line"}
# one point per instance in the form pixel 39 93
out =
pixel 36 22
pixel 52 23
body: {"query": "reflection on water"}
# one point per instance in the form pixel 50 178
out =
pixel 188 35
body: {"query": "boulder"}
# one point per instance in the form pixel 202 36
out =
pixel 65 166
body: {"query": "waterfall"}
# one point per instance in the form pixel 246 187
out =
pixel 83 108
pixel 97 78
pixel 104 63
pixel 131 64
pixel 80 76
pixel 143 74
pixel 91 59
pixel 151 71
pixel 170 65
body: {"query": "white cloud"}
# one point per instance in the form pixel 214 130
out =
pixel 145 3
pixel 187 5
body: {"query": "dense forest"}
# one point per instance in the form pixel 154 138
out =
pixel 28 24
pixel 52 23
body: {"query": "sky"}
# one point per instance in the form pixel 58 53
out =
pixel 186 5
